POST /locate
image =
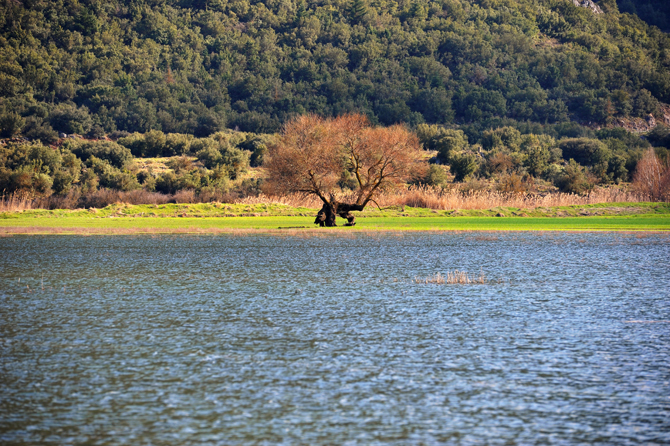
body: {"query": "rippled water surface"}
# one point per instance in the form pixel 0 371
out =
pixel 330 340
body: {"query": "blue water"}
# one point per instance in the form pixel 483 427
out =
pixel 330 340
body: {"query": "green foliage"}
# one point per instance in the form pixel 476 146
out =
pixel 117 155
pixel 463 165
pixel 444 141
pixel 11 124
pixel 507 138
pixel 436 176
pixel 586 151
pixel 69 118
pixel 214 154
pixel 538 153
pixel 660 136
pixel 574 179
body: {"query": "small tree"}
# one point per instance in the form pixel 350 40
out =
pixel 651 177
pixel 313 153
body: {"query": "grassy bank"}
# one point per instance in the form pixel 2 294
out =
pixel 215 218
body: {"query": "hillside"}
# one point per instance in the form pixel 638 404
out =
pixel 197 67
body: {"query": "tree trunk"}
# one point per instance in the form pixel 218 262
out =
pixel 329 212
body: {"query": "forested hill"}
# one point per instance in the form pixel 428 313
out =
pixel 180 66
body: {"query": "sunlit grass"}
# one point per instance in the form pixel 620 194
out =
pixel 222 217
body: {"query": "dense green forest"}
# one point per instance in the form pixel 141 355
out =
pixel 200 66
pixel 521 93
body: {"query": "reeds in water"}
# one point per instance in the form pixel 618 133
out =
pixel 455 277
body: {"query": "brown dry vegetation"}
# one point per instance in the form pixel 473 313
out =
pixel 652 177
pixel 415 196
pixel 444 199
pixel 455 277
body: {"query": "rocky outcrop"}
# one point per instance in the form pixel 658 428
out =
pixel 643 125
pixel 588 4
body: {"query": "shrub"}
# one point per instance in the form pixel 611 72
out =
pixel 502 137
pixel 154 143
pixel 116 154
pixel 177 144
pixel 463 165
pixel 134 142
pixel 436 176
pixel 444 141
pixel 36 129
pixel 574 179
pixel 209 156
pixel 11 124
pixel 62 182
pixel 44 158
pixel 69 118
pixel 585 151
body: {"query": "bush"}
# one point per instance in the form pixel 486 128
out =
pixel 134 142
pixel 436 176
pixel 117 155
pixel 585 151
pixel 213 154
pixel 210 157
pixel 660 136
pixel 62 182
pixel 462 166
pixel 154 144
pixel 70 119
pixel 26 181
pixel 36 129
pixel 177 144
pixel 502 138
pixel 574 179
pixel 111 176
pixel 444 141
pixel 44 159
pixel 10 124
pixel 236 160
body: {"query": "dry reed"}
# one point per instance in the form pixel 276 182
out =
pixel 415 196
pixel 15 203
pixel 455 277
pixel 443 199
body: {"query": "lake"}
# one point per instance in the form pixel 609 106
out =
pixel 335 339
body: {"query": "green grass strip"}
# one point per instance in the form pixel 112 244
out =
pixel 217 224
pixel 217 217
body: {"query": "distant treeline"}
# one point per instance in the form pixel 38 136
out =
pixel 93 67
pixel 215 167
pixel 80 166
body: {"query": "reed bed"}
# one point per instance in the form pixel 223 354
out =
pixel 415 196
pixel 453 277
pixel 445 199
pixel 15 203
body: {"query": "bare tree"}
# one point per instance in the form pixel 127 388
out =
pixel 313 153
pixel 651 177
